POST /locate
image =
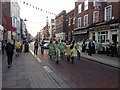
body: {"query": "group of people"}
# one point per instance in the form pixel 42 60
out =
pixel 58 49
pixel 91 47
pixel 9 46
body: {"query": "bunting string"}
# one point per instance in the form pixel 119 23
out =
pixel 35 7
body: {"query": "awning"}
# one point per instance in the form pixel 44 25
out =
pixel 80 32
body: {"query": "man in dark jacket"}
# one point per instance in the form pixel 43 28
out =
pixel 90 44
pixel 9 52
pixel 36 47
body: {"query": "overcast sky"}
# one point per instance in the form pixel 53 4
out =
pixel 36 19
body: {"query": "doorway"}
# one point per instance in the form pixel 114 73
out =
pixel 114 38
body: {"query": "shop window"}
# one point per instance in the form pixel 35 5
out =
pixel 102 37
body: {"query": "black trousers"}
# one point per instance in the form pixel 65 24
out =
pixel 113 51
pixel 90 52
pixel 107 51
pixel 3 49
pixel 35 50
pixel 9 58
pixel 78 54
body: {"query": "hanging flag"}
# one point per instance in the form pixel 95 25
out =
pixel 97 7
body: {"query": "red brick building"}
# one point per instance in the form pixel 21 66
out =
pixel 97 20
pixel 69 25
pixel 4 16
pixel 60 25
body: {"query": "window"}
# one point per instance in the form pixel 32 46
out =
pixel 74 20
pixel 69 21
pixel 86 20
pixel 102 36
pixel 95 16
pixel 108 13
pixel 85 4
pixel 79 22
pixel 79 8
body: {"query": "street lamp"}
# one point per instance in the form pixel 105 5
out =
pixel 25 19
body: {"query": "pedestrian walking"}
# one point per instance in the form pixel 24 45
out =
pixel 90 47
pixel 73 52
pixel 9 51
pixel 42 46
pixel 108 47
pixel 83 46
pixel 93 47
pixel 67 51
pixel 78 50
pixel 26 46
pixel 36 47
pixel 57 51
pixel 51 49
pixel 17 47
pixel 21 46
pixel 62 48
pixel 112 48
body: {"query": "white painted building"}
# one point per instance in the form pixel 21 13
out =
pixel 15 14
pixel 52 28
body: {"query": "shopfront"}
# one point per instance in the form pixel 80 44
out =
pixel 101 33
pixel 80 35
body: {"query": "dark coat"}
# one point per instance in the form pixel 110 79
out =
pixel 9 49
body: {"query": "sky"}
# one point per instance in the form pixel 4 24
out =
pixel 36 19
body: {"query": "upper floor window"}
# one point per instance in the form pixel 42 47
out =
pixel 85 4
pixel 79 8
pixel 95 16
pixel 79 22
pixel 69 21
pixel 86 20
pixel 108 13
pixel 74 20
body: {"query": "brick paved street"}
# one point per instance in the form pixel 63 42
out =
pixel 28 72
pixel 16 76
pixel 84 73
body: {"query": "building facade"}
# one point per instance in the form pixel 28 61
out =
pixel 60 25
pixel 5 14
pixel 70 21
pixel 15 14
pixel 52 28
pixel 98 21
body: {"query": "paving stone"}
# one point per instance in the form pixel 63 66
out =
pixel 7 84
pixel 23 82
